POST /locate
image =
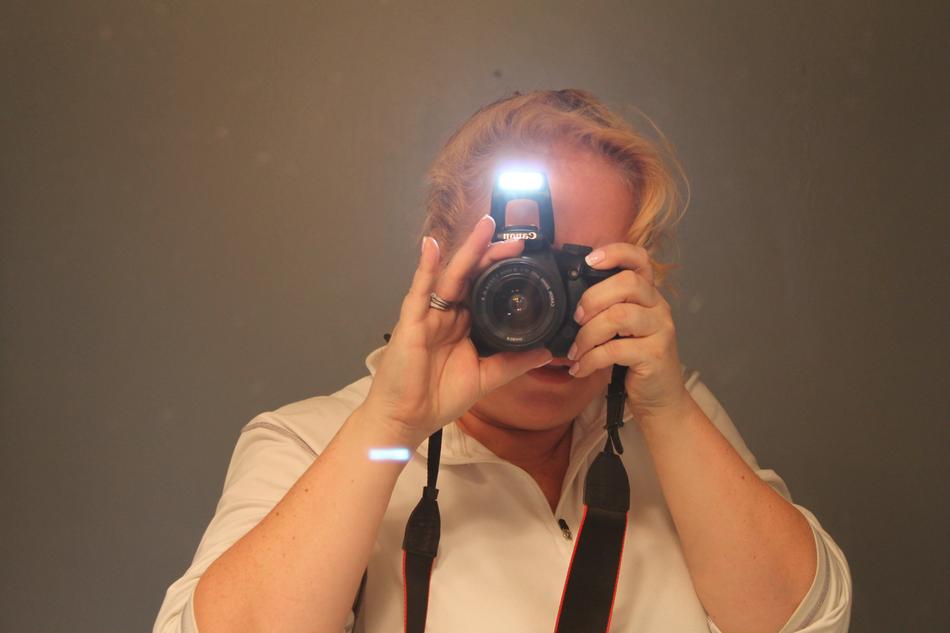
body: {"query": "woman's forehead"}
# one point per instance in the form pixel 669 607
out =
pixel 593 204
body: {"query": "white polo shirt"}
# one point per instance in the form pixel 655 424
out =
pixel 503 557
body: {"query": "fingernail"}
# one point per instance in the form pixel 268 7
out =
pixel 546 360
pixel 572 353
pixel 578 314
pixel 574 369
pixel 422 249
pixel 594 257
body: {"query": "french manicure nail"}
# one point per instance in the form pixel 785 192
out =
pixel 546 361
pixel 422 249
pixel 572 353
pixel 578 314
pixel 574 368
pixel 594 257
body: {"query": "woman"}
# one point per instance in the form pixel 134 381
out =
pixel 713 542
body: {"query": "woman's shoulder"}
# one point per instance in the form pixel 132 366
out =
pixel 311 423
pixel 720 418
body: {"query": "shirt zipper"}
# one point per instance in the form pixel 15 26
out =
pixel 565 529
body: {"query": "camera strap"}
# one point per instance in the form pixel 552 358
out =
pixel 591 584
pixel 421 543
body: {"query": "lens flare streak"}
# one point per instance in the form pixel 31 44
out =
pixel 389 454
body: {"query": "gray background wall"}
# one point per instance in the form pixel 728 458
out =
pixel 210 210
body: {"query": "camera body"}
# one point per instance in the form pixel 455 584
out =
pixel 528 301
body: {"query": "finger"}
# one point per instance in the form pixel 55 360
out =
pixel 452 284
pixel 624 287
pixel 415 306
pixel 619 351
pixel 620 319
pixel 496 252
pixel 502 368
pixel 451 327
pixel 622 255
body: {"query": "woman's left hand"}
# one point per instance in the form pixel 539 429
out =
pixel 628 305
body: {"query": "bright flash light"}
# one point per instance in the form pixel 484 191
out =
pixel 389 454
pixel 520 180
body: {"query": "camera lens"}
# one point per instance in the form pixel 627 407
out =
pixel 516 306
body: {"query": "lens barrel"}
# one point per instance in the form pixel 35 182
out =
pixel 517 305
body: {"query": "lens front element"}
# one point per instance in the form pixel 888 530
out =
pixel 517 306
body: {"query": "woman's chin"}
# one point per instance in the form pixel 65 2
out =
pixel 552 374
pixel 541 399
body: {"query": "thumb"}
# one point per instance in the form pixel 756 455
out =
pixel 502 368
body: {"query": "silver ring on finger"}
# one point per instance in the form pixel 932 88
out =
pixel 437 302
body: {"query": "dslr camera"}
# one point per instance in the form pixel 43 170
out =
pixel 528 301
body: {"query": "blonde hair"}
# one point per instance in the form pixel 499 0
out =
pixel 460 173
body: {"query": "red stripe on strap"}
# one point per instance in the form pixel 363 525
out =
pixel 577 540
pixel 405 595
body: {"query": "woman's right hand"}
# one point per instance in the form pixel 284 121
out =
pixel 430 373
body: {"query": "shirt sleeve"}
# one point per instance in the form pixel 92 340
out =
pixel 826 608
pixel 267 460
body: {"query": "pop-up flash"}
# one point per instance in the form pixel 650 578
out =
pixel 520 180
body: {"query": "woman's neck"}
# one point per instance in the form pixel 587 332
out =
pixel 541 453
